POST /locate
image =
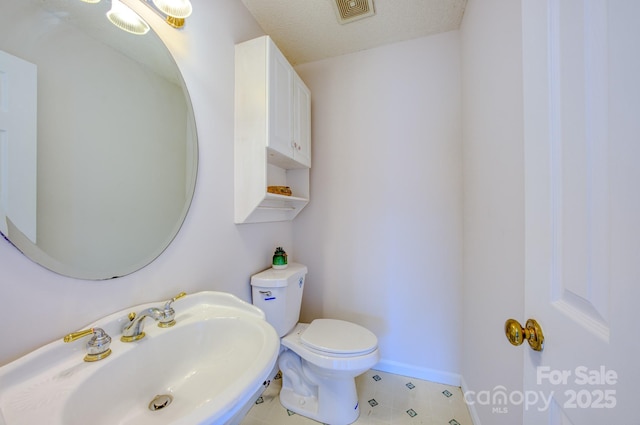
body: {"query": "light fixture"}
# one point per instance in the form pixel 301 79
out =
pixel 175 8
pixel 126 19
pixel 173 11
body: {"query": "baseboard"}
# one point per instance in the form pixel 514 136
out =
pixel 472 407
pixel 412 371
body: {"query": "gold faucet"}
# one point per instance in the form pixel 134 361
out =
pixel 98 345
pixel 165 317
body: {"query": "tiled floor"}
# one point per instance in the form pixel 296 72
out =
pixel 384 399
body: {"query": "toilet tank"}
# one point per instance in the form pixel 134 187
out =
pixel 278 293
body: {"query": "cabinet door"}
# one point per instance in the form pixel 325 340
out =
pixel 280 120
pixel 301 122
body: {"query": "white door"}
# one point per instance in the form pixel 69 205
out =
pixel 582 194
pixel 18 145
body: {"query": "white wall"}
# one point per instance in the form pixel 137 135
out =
pixel 382 235
pixel 210 252
pixel 493 167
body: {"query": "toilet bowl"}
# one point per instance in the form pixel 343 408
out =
pixel 320 360
pixel 319 366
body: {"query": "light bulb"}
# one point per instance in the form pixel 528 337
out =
pixel 126 19
pixel 174 8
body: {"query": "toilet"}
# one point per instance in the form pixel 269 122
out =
pixel 320 360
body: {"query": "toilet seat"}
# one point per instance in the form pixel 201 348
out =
pixel 338 337
pixel 324 359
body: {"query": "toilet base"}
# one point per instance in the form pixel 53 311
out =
pixel 308 407
pixel 317 394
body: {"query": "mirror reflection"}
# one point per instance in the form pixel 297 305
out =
pixel 116 152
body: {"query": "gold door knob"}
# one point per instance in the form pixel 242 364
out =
pixel 532 332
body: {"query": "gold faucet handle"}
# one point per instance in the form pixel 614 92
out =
pixel 77 335
pixel 177 297
pixel 98 345
pixel 167 305
pixel 169 313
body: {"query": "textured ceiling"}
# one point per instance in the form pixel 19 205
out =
pixel 308 30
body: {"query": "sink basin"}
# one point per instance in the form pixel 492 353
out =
pixel 204 370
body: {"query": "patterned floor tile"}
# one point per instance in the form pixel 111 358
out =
pixel 385 399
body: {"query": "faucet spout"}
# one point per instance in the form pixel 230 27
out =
pixel 133 330
pixel 165 317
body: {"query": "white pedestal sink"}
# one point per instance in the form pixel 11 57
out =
pixel 206 370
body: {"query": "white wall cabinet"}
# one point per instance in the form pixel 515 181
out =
pixel 272 134
pixel 301 122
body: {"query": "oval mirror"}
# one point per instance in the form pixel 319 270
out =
pixel 111 173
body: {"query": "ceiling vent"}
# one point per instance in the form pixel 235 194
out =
pixel 352 10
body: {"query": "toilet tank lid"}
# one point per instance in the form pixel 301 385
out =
pixel 275 278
